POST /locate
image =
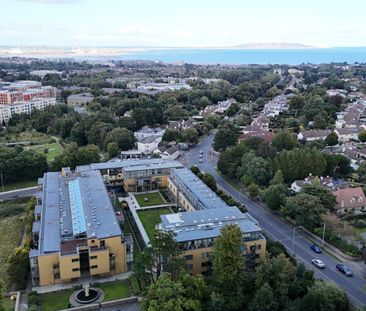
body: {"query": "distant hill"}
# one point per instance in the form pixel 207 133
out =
pixel 274 45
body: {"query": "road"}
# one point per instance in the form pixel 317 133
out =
pixel 26 192
pixel 278 229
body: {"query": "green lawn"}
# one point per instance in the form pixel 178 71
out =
pixel 134 285
pixel 19 185
pixel 60 300
pixel 56 300
pixel 154 198
pixel 34 137
pixel 115 290
pixel 10 233
pixel 150 218
pixel 54 149
pixel 8 304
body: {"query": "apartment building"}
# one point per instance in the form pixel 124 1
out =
pixel 7 111
pixel 191 193
pixel 136 175
pixel 24 91
pixel 76 232
pixel 196 229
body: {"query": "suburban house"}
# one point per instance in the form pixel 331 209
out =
pixel 313 135
pixel 347 134
pixel 148 144
pixel 350 200
pixel 170 154
pixel 327 182
pixel 147 132
pixel 267 136
pixel 80 100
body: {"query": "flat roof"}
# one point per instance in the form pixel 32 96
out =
pixel 132 164
pixel 73 205
pixel 199 192
pixel 203 224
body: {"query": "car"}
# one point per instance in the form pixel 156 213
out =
pixel 201 151
pixel 200 160
pixel 318 263
pixel 344 269
pixel 200 156
pixel 315 248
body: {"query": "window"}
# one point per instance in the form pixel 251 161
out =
pixel 102 243
pixel 188 257
pixel 94 267
pixel 189 267
pixel 205 255
pixel 75 260
pixel 94 257
pixel 93 241
pixel 75 269
pixel 259 246
pixel 206 264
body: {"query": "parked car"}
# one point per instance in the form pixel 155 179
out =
pixel 315 248
pixel 318 263
pixel 200 160
pixel 344 269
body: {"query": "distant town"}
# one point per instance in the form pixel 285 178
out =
pixel 139 185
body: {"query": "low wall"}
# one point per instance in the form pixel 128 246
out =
pixel 112 303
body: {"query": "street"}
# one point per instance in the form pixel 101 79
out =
pixel 278 229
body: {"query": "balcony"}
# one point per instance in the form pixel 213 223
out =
pixel 98 249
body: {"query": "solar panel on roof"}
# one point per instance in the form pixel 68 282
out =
pixel 77 211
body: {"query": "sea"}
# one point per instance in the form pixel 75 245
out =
pixel 348 55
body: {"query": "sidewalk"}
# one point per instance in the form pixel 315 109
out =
pixel 81 281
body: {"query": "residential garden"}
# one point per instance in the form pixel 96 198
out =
pixel 150 218
pixel 149 199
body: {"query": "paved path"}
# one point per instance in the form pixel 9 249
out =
pixel 18 193
pixel 280 230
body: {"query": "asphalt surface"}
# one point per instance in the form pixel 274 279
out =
pixel 280 230
pixel 13 194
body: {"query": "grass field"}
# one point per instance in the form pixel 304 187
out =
pixel 115 290
pixel 56 300
pixel 10 238
pixel 34 137
pixel 60 300
pixel 54 149
pixel 19 185
pixel 154 198
pixel 150 218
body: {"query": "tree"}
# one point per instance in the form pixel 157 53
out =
pixel 167 295
pixel 195 170
pixel 305 209
pixel 326 197
pixel 73 156
pixel 253 190
pixel 296 102
pixel 229 266
pixel 172 135
pixel 112 149
pixel 255 169
pixel 17 270
pixel 331 139
pixel 122 136
pixel 275 196
pixel 362 136
pixel 210 181
pixel 264 299
pixel 224 138
pixel 319 122
pixel 284 140
pixel 278 273
pixel 337 165
pixel 323 297
pixel 191 135
pixel 277 179
pixel 230 159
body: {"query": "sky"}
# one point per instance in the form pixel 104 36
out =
pixel 181 23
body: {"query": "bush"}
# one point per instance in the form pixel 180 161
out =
pixel 34 300
pixel 338 242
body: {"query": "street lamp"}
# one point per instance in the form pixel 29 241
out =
pixel 293 238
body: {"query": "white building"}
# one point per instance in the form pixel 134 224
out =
pixel 171 153
pixel 7 111
pixel 347 134
pixel 148 132
pixel 148 144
